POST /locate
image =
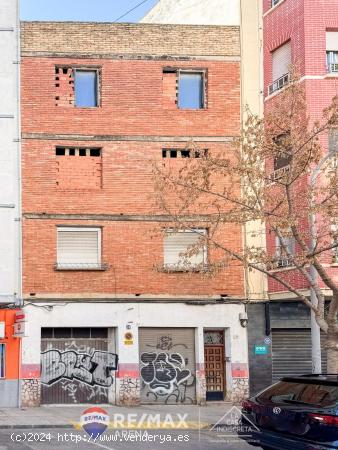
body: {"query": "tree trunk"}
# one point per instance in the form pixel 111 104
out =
pixel 332 354
pixel 332 336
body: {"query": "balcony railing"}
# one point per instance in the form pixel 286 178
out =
pixel 279 83
pixel 279 173
pixel 283 262
pixel 332 68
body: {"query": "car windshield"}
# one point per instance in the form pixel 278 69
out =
pixel 303 393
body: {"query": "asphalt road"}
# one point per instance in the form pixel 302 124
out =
pixel 69 439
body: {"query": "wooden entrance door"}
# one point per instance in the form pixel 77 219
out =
pixel 214 371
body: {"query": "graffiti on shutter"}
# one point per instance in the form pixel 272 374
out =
pixel 167 367
pixel 76 371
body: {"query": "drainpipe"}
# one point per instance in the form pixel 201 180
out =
pixel 18 218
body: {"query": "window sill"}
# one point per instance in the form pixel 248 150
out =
pixel 81 267
pixel 87 107
pixel 192 109
pixel 177 269
pixel 334 264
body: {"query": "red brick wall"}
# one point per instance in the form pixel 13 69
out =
pixel 132 250
pixel 127 180
pixel 134 101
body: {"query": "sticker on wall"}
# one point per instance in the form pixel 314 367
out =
pixel 128 339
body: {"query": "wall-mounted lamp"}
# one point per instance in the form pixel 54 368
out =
pixel 243 318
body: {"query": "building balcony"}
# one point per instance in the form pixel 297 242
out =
pixel 279 173
pixel 332 68
pixel 279 83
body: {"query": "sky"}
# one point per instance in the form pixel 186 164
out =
pixel 84 10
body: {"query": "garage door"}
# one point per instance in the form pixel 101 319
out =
pixel 167 365
pixel 291 352
pixel 77 365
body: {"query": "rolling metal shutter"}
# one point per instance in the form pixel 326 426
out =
pixel 332 41
pixel 78 246
pixel 291 352
pixel 281 60
pixel 77 371
pixel 167 365
pixel 176 243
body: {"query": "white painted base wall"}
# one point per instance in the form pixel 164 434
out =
pixel 129 317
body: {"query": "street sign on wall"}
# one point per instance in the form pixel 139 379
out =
pixel 261 350
pixel 20 329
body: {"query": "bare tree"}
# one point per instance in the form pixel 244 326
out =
pixel 265 175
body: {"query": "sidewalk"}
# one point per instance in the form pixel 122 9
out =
pixel 64 416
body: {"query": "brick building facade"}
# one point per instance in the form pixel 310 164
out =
pixel 95 114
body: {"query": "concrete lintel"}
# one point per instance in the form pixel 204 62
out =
pixel 79 137
pixel 85 298
pixel 115 217
pixel 127 56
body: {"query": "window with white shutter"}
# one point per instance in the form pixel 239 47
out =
pixel 78 248
pixel 332 51
pixel 178 243
pixel 281 61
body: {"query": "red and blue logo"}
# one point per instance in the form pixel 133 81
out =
pixel 94 421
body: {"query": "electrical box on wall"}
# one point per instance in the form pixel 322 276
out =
pixel 2 330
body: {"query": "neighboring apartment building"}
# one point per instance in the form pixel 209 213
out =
pixel 303 33
pixel 104 324
pixel 10 259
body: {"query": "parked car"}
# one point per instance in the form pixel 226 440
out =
pixel 299 413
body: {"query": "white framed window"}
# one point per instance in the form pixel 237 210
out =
pixel 281 61
pixel 178 243
pixel 332 51
pixel 285 246
pixel 274 2
pixel 78 248
pixel 2 360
